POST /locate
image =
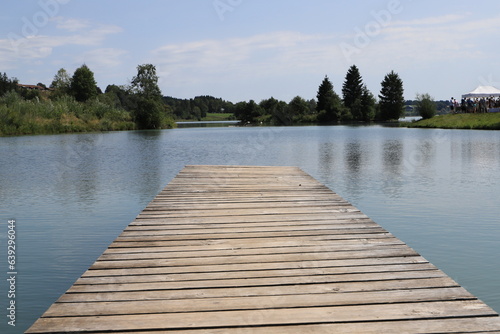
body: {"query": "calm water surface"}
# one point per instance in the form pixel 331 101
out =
pixel 72 195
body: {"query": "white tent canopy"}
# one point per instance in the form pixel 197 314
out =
pixel 483 91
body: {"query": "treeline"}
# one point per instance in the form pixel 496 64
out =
pixel 357 104
pixel 76 104
pixel 198 107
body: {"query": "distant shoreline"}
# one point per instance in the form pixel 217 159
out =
pixel 487 121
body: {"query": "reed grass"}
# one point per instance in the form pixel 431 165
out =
pixel 64 115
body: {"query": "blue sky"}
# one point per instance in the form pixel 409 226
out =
pixel 254 49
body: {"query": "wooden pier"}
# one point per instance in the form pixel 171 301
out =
pixel 226 249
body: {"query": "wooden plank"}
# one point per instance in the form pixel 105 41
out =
pixel 129 243
pixel 257 302
pixel 255 218
pixel 241 259
pixel 155 225
pixel 430 326
pixel 256 266
pixel 290 316
pixel 270 244
pixel 349 234
pixel 312 289
pixel 248 229
pixel 157 253
pixel 253 282
pixel 168 277
pixel 242 249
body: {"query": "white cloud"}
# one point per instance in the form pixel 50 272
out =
pixel 38 46
pixel 103 58
pixel 71 24
pixel 399 44
pixel 406 44
pixel 262 60
pixel 258 55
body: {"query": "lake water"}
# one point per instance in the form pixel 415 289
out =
pixel 72 195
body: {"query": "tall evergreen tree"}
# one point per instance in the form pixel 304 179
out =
pixel 83 84
pixel 329 105
pixel 391 97
pixel 352 91
pixel 368 103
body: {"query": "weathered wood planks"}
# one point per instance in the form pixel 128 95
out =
pixel 229 249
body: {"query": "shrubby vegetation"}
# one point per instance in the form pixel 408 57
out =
pixel 76 104
pixel 425 106
pixel 62 115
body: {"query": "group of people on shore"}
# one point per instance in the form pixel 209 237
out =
pixel 475 105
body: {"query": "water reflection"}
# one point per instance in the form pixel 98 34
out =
pixel 327 158
pixel 393 156
pixel 76 167
pixel 353 157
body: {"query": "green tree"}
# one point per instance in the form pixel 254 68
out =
pixel 149 113
pixel 391 97
pixel 61 83
pixel 276 111
pixel 6 84
pixel 368 105
pixel 151 110
pixel 426 107
pixel 247 112
pixel 329 105
pixel 352 91
pixel 121 97
pixel 145 83
pixel 298 109
pixel 83 85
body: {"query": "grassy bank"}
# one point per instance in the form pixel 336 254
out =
pixel 488 121
pixel 64 115
pixel 217 117
pixel 211 117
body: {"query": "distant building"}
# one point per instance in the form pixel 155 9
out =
pixel 34 87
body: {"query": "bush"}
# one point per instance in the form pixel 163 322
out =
pixel 426 107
